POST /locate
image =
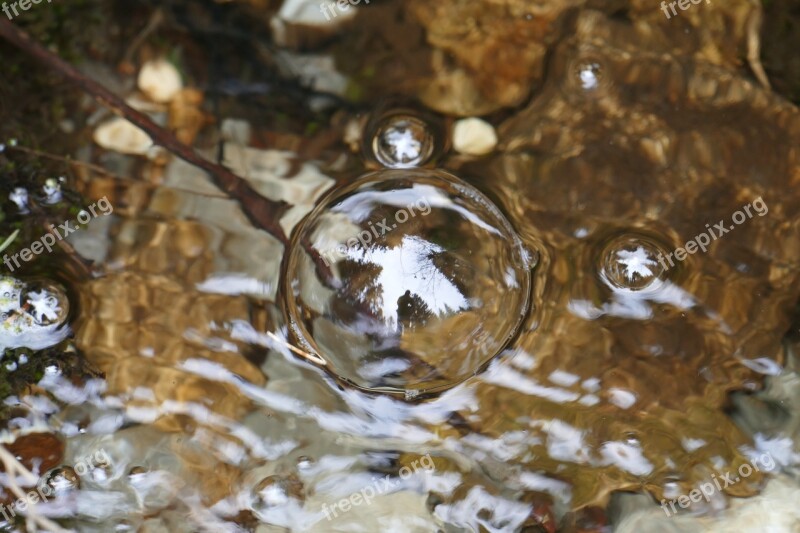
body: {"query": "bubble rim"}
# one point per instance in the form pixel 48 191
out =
pixel 525 258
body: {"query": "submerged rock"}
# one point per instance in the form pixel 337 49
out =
pixel 122 136
pixel 160 80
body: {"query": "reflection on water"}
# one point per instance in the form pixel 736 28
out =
pixel 542 357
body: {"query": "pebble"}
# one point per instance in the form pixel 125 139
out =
pixel 473 136
pixel 160 80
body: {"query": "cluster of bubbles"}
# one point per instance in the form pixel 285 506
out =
pixel 408 280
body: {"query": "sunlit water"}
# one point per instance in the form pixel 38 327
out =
pixel 487 344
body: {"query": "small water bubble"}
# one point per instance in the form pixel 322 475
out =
pixel 632 262
pixel 20 197
pixel 305 462
pixel 52 191
pixel 48 303
pixel 137 471
pixel 587 76
pixel 101 473
pixel 425 281
pixel 63 479
pixel 402 141
pixel 276 491
pixel 672 485
pixel 53 369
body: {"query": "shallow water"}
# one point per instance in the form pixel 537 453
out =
pixel 515 350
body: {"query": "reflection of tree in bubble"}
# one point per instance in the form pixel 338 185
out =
pixel 411 311
pixel 404 299
pixel 408 267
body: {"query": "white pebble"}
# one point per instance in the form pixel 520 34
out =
pixel 121 136
pixel 473 136
pixel 160 80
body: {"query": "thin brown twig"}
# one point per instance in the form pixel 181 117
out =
pixel 263 212
pixel 101 170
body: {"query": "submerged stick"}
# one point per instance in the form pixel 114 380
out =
pixel 263 212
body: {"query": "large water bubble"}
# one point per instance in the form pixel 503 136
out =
pixel 407 281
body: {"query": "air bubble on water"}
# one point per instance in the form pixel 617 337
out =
pixel 275 491
pixel 52 191
pixel 137 471
pixel 587 75
pixel 632 262
pixel 35 313
pixel 101 473
pixel 63 479
pixel 401 141
pixel 48 305
pixel 672 489
pixel 420 304
pixel 305 462
pixel 20 197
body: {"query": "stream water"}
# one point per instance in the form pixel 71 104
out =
pixel 573 333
